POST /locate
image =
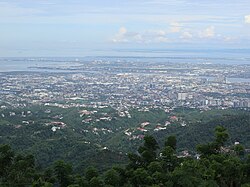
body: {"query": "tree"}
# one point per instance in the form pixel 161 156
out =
pixel 158 178
pixel 6 158
pixel 231 172
pixel 246 170
pixel 49 176
pixel 80 181
pixel 96 182
pixel 221 135
pixel 22 170
pixel 141 177
pixel 239 150
pixel 90 173
pixel 112 177
pixel 169 158
pixel 122 174
pixel 188 174
pixel 155 167
pixel 171 142
pixel 148 150
pixel 40 182
pixel 63 171
pixel 207 149
pixel 135 161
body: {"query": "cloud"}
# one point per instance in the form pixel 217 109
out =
pixel 158 33
pixel 186 35
pixel 122 31
pixel 229 38
pixel 175 27
pixel 247 19
pixel 153 36
pixel 207 33
pixel 124 36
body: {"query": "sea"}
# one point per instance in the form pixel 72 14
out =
pixel 222 57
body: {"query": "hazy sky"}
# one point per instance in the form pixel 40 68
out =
pixel 98 27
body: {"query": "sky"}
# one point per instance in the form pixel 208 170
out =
pixel 111 27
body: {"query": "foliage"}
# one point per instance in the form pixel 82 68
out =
pixel 32 148
pixel 218 165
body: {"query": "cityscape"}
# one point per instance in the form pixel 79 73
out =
pixel 135 93
pixel 129 83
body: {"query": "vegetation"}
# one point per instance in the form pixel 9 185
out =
pixel 80 144
pixel 215 165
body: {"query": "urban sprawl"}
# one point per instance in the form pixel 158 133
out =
pixel 129 83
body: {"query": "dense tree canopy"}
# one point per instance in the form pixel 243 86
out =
pixel 217 164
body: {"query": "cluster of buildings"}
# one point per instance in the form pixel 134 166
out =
pixel 123 85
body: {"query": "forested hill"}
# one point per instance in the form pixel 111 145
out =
pixel 238 126
pixel 215 165
pixel 103 137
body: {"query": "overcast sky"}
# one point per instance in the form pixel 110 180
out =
pixel 99 27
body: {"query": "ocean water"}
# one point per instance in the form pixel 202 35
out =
pixel 231 57
pixel 27 64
